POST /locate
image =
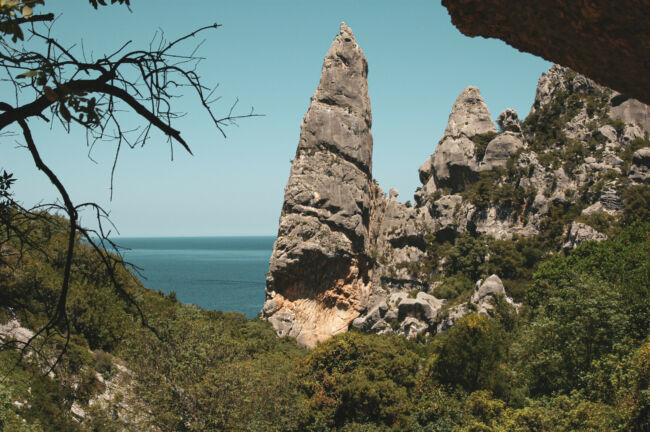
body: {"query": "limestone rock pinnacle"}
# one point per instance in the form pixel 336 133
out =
pixel 469 115
pixel 340 114
pixel 319 269
pixel 454 164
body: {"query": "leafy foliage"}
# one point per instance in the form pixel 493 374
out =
pixel 469 354
pixel 577 358
pixel 481 142
pixel 358 379
pixel 636 203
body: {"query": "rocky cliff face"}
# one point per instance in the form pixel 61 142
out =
pixel 319 274
pixel 348 255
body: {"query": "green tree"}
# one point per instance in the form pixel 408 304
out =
pixel 470 354
pixel 467 257
pixel 585 306
pixel 354 378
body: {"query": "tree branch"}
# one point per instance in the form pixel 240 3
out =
pixel 72 215
pixel 24 20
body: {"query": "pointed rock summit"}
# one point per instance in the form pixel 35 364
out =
pixel 455 162
pixel 319 270
pixel 339 117
pixel 469 115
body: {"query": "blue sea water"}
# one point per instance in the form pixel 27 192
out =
pixel 219 273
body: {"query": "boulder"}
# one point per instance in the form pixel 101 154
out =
pixel 425 307
pixel 13 330
pixel 580 233
pixel 640 169
pixel 412 327
pixel 450 316
pixel 500 149
pixel 491 287
pixel 453 163
pixel 480 302
pixel 369 320
pixel 508 121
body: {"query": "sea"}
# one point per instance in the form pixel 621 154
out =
pixel 218 273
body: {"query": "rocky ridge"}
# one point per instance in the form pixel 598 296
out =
pixel 348 255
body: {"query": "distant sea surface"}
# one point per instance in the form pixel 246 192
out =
pixel 219 273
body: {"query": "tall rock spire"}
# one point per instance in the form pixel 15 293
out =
pixel 319 274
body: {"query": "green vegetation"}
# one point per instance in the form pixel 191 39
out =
pixel 470 258
pixel 544 127
pixel 626 152
pixel 481 142
pixel 494 187
pixel 470 354
pixel 636 203
pixel 576 358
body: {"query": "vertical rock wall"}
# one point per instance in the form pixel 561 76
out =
pixel 319 272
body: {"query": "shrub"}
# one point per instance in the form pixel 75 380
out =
pixel 104 364
pixel 355 378
pixel 467 257
pixel 469 354
pixel 481 142
pixel 453 287
pixel 636 204
pixel 584 304
pixel 626 152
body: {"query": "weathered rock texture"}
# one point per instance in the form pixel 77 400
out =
pixel 348 255
pixel 640 169
pixel 482 302
pixel 608 41
pixel 571 153
pixel 580 233
pixel 454 164
pixel 319 272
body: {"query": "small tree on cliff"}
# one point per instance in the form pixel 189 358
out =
pixel 54 83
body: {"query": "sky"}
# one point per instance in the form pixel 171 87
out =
pixel 268 55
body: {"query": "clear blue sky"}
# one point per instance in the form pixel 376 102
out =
pixel 269 55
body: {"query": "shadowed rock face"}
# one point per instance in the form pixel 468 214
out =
pixel 606 40
pixel 319 272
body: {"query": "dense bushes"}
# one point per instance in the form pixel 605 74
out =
pixel 493 187
pixel 471 258
pixel 593 301
pixel 356 378
pixel 469 354
pixel 636 203
pixel 576 357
